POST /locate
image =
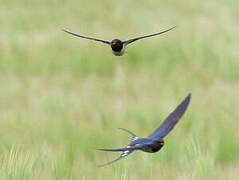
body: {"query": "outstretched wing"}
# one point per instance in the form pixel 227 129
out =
pixel 122 155
pixel 85 37
pixel 171 120
pixel 147 36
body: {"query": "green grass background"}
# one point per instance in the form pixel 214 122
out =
pixel 62 97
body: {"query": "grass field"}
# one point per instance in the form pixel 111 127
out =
pixel 62 97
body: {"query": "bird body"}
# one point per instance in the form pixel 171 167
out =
pixel 154 142
pixel 151 145
pixel 118 46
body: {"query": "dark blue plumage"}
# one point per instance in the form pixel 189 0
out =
pixel 153 142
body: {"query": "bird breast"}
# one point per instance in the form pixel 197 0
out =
pixel 118 53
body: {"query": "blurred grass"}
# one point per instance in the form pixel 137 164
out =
pixel 61 98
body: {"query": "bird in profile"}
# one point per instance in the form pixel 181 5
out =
pixel 117 45
pixel 154 142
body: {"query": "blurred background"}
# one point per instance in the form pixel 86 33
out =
pixel 63 97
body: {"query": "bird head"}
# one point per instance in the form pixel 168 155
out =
pixel 116 45
pixel 160 142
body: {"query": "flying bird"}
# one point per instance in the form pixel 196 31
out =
pixel 154 142
pixel 117 45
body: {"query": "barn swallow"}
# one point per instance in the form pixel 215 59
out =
pixel 117 45
pixel 154 142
